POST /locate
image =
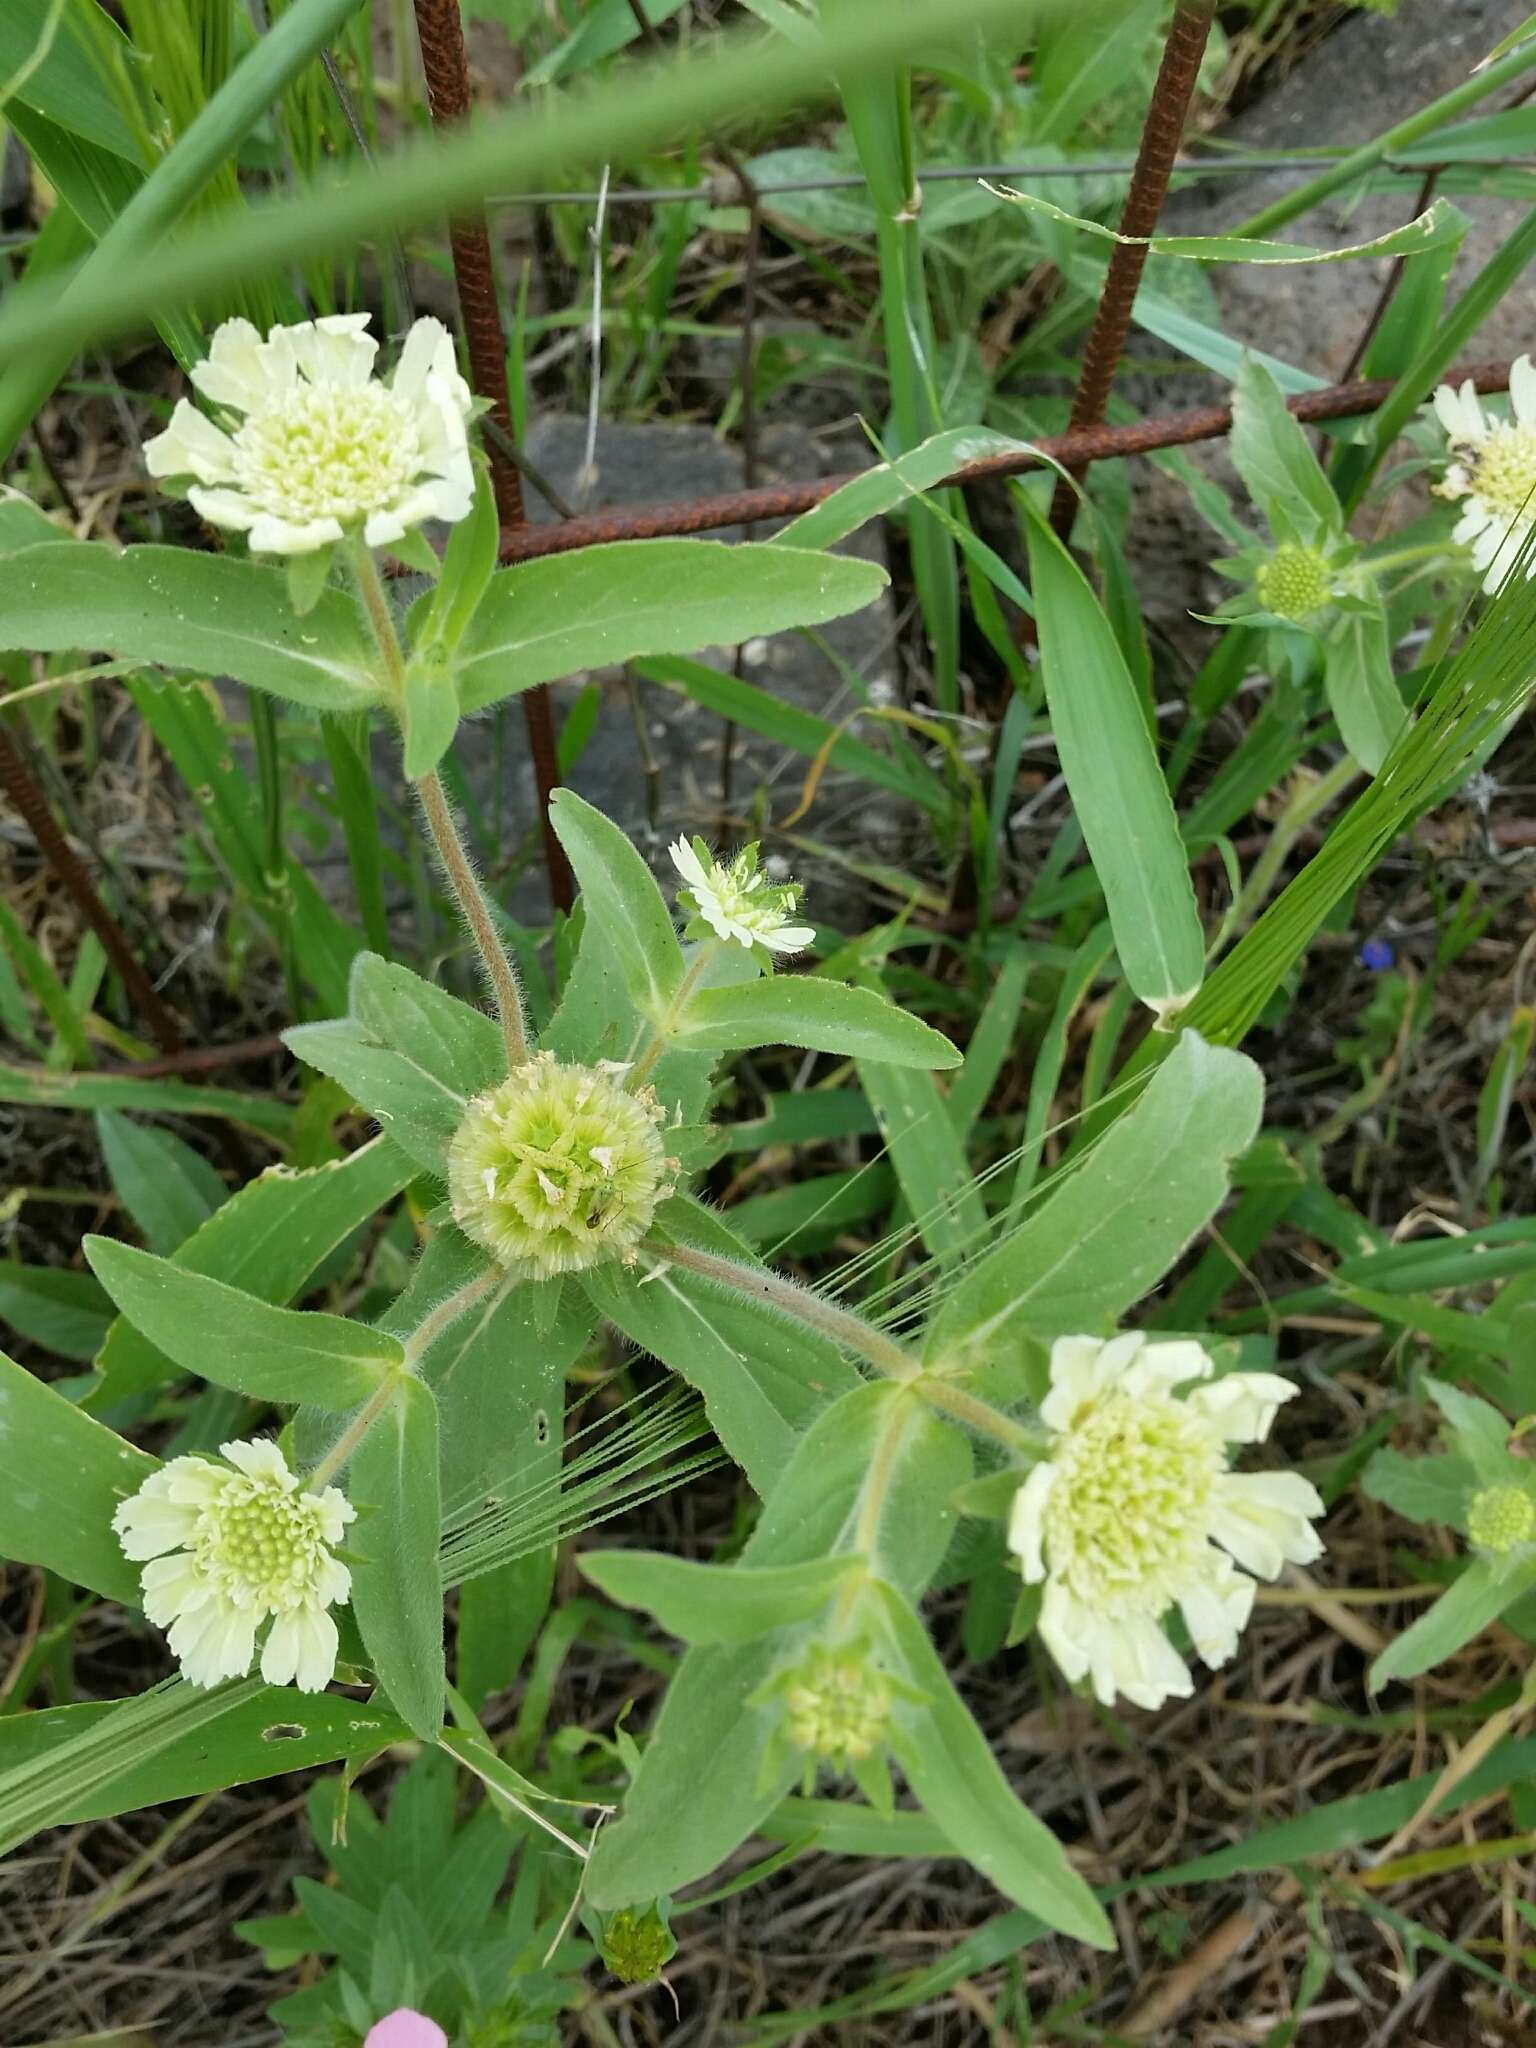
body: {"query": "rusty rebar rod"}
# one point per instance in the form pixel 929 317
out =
pixel 1074 450
pixel 17 782
pixel 445 64
pixel 1161 135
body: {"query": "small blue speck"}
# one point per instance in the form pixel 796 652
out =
pixel 1378 955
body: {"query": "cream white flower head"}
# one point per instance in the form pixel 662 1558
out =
pixel 315 445
pixel 737 900
pixel 1124 1519
pixel 225 1547
pixel 1493 472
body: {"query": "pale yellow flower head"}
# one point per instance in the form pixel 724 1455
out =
pixel 225 1548
pixel 1493 472
pixel 558 1168
pixel 1134 1511
pixel 310 445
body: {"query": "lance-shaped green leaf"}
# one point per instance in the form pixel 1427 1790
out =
pixel 622 901
pixel 1272 455
pixel 604 605
pixel 237 1341
pixel 211 614
pixel 78 1763
pixel 267 1240
pixel 764 1379
pixel 948 1212
pixel 1118 1221
pixel 717 1603
pixel 168 1189
pixel 1116 783
pixel 1481 1594
pixel 951 1768
pixel 56 1307
pixel 410 1054
pixel 1431 1489
pixel 397 1581
pixel 822 1016
pixel 1357 675
pixel 65 1478
pixel 891 484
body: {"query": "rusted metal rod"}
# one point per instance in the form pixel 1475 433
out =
pixel 1073 449
pixel 1155 159
pixel 446 67
pixel 16 780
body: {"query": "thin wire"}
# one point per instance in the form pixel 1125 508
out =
pixel 726 186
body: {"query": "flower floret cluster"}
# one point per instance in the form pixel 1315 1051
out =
pixel 558 1168
pixel 737 900
pixel 228 1547
pixel 1134 1511
pixel 312 446
pixel 1492 472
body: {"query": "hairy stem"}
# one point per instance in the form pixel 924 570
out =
pixel 979 1415
pixel 432 1326
pixel 477 915
pixel 381 620
pixel 843 1327
pixel 366 1416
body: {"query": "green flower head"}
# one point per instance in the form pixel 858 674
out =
pixel 1295 581
pixel 1501 1519
pixel 558 1168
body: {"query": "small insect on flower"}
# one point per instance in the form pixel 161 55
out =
pixel 558 1168
pixel 225 1548
pixel 1124 1519
pixel 313 445
pixel 737 900
pixel 1493 472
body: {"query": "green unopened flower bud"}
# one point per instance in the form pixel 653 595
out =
pixel 637 1946
pixel 1500 1519
pixel 558 1168
pixel 836 1705
pixel 1295 581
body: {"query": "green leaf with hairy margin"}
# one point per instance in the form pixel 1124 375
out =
pixel 1117 786
pixel 1463 1611
pixel 1117 1221
pixel 950 1766
pixel 705 1603
pixel 604 605
pixel 1272 455
pixel 65 1478
pixel 1430 1489
pixel 238 1341
pixel 66 1764
pixel 212 614
pixel 168 1189
pixel 397 1580
pixel 809 1011
pixel 622 900
pixel 266 1240
pixel 1362 689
